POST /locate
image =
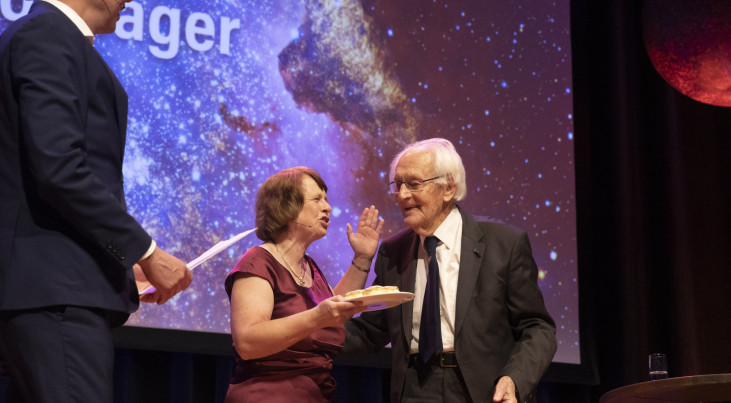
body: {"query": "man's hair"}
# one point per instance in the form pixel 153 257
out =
pixel 280 199
pixel 446 162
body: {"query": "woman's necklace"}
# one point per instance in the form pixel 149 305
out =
pixel 299 279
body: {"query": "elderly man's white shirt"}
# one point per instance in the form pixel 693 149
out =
pixel 449 248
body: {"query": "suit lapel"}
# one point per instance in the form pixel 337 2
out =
pixel 469 267
pixel 408 280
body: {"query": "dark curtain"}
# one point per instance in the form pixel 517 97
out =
pixel 653 177
pixel 653 199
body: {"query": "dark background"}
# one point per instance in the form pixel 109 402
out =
pixel 652 176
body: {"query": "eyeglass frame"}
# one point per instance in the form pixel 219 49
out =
pixel 417 188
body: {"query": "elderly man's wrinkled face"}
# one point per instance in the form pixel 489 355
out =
pixel 426 207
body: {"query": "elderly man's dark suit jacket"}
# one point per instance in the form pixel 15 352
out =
pixel 65 235
pixel 501 323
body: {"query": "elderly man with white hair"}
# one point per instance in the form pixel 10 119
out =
pixel 478 329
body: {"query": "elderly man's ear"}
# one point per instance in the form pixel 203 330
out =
pixel 450 190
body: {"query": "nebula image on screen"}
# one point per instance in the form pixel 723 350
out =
pixel 225 93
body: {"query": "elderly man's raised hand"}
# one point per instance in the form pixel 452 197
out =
pixel 168 274
pixel 365 241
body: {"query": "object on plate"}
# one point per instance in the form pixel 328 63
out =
pixel 372 290
pixel 380 297
pixel 377 302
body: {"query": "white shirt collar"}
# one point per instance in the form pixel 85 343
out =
pixel 447 232
pixel 74 17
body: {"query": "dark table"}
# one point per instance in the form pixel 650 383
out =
pixel 690 389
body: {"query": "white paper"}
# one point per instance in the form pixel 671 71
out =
pixel 217 248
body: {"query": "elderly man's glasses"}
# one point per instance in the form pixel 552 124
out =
pixel 413 185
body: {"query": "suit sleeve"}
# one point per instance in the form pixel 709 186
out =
pixel 534 327
pixel 50 76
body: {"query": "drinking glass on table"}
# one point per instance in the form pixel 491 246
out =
pixel 658 366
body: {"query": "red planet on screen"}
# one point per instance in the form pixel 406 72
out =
pixel 689 44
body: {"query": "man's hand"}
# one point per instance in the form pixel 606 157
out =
pixel 505 391
pixel 166 273
pixel 140 278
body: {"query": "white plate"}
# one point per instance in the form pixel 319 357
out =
pixel 376 302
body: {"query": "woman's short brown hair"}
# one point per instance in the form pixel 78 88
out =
pixel 280 199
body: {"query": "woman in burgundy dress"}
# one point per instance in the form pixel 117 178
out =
pixel 286 320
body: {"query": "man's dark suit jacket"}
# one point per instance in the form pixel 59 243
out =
pixel 65 235
pixel 501 323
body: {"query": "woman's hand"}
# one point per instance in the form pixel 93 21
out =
pixel 365 241
pixel 334 311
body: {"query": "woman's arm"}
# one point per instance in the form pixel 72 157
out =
pixel 255 334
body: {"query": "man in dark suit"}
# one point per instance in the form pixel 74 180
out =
pixel 482 334
pixel 67 244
